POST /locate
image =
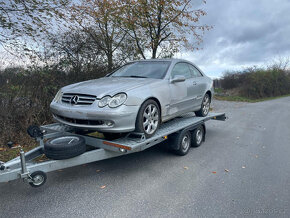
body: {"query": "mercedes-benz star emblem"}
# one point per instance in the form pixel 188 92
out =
pixel 74 99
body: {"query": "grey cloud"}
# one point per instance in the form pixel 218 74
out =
pixel 245 33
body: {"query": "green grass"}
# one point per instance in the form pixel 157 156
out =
pixel 7 154
pixel 244 99
pixel 218 90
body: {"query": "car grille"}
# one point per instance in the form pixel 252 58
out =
pixel 81 121
pixel 78 99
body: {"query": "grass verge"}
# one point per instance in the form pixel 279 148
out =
pixel 7 154
pixel 244 99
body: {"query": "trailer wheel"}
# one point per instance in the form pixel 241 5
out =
pixel 64 147
pixel 38 179
pixel 197 136
pixel 181 142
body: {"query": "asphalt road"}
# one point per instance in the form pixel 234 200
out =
pixel 253 145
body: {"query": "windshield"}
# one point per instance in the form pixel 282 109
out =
pixel 143 69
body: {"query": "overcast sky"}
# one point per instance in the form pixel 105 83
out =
pixel 245 33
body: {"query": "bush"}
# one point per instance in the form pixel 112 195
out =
pixel 258 83
pixel 25 96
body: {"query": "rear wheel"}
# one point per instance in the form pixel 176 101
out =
pixel 181 142
pixel 148 118
pixel 197 136
pixel 205 105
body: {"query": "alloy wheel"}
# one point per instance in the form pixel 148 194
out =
pixel 150 119
pixel 205 105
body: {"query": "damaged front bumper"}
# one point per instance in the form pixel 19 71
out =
pixel 120 119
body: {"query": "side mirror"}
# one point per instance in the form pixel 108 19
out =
pixel 177 78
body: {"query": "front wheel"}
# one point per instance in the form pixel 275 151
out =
pixel 205 105
pixel 148 118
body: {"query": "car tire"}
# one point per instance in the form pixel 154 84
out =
pixel 205 106
pixel 180 142
pixel 148 118
pixel 64 147
pixel 197 136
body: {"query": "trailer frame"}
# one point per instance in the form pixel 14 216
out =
pixel 25 167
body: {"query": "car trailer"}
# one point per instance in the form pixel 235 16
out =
pixel 183 132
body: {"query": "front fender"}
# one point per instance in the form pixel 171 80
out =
pixel 158 90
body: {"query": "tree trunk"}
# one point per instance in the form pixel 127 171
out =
pixel 154 52
pixel 109 61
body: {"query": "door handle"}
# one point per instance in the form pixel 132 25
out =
pixel 194 83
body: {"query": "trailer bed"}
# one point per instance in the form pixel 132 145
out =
pixel 24 166
pixel 132 142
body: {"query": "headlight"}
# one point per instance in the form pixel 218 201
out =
pixel 118 100
pixel 114 101
pixel 57 97
pixel 104 101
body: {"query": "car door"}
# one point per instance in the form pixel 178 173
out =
pixel 180 99
pixel 199 84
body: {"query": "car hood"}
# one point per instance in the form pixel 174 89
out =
pixel 107 85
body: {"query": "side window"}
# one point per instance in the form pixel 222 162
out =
pixel 194 72
pixel 181 69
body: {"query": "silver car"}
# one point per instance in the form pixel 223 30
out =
pixel 136 97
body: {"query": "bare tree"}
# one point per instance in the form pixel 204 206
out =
pixel 99 19
pixel 74 49
pixel 26 18
pixel 163 27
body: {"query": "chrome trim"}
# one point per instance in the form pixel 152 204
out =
pixel 78 99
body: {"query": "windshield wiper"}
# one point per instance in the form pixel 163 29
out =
pixel 134 76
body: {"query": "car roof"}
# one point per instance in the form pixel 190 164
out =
pixel 173 60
